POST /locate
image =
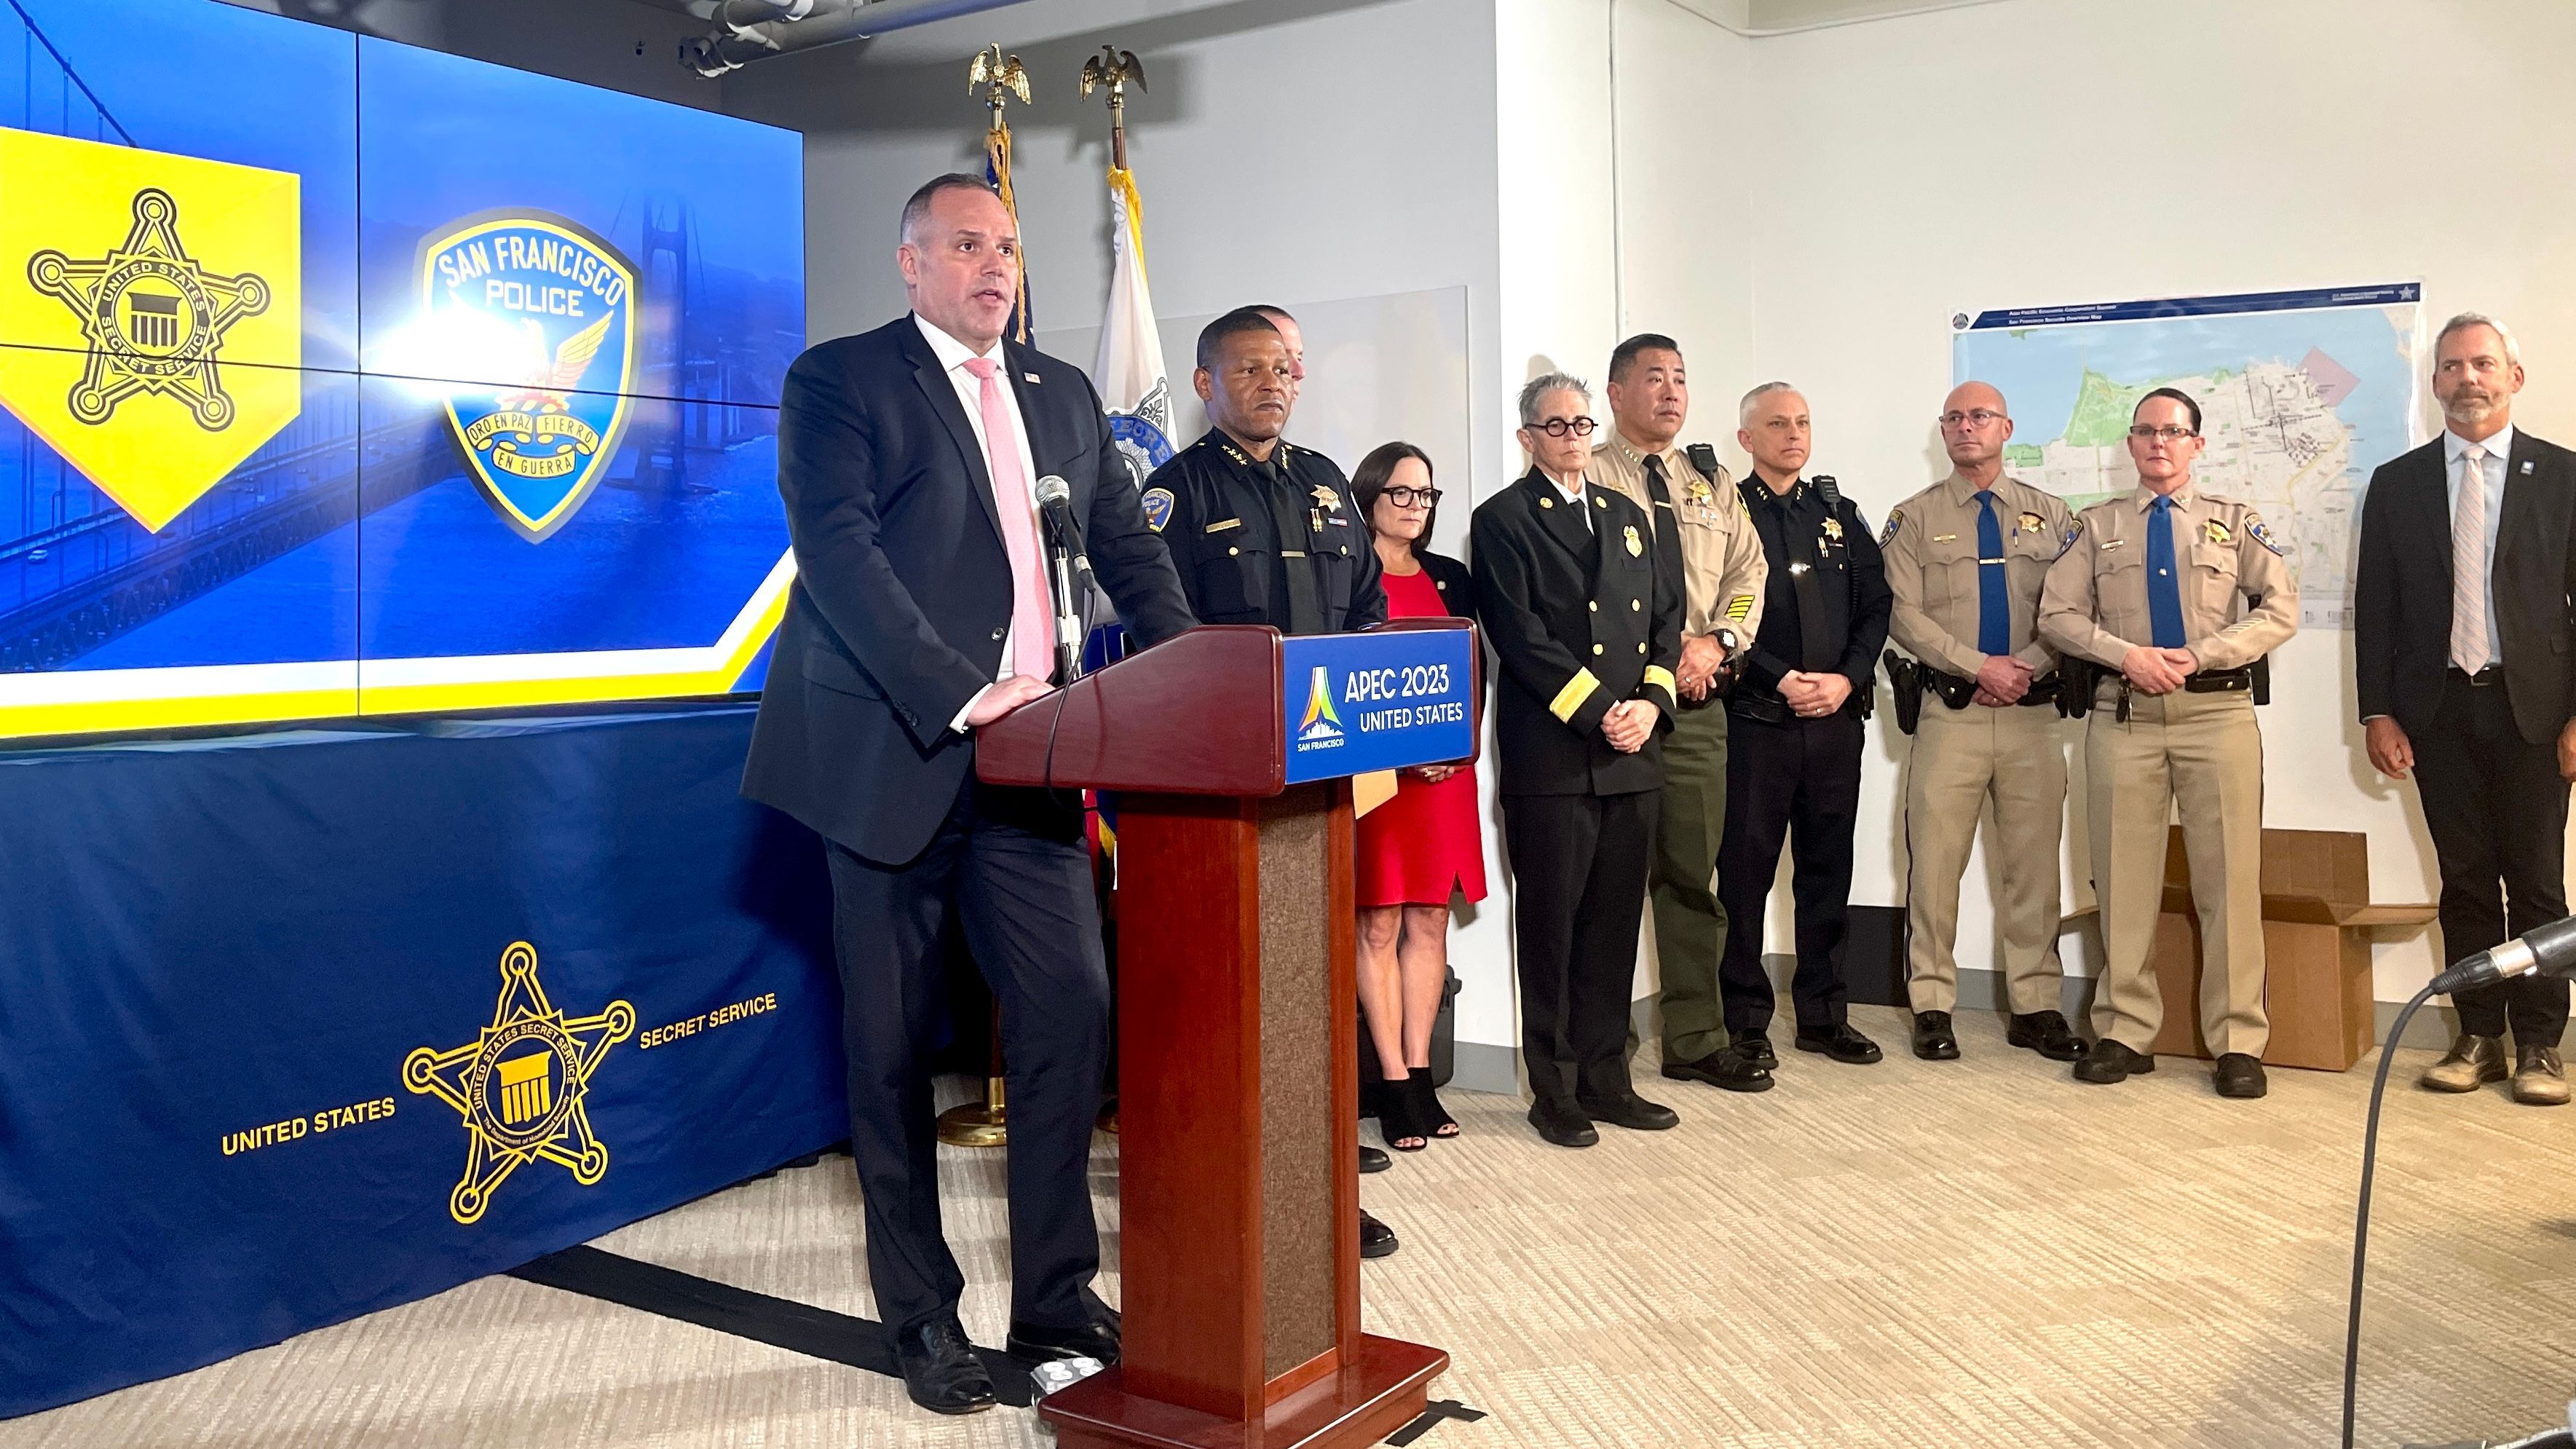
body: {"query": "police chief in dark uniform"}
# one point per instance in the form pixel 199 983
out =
pixel 1585 620
pixel 1262 530
pixel 1798 712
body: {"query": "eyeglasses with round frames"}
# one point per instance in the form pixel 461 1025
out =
pixel 1559 427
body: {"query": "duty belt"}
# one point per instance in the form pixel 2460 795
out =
pixel 2220 681
pixel 1958 691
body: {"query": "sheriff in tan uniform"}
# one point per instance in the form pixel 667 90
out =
pixel 1966 559
pixel 1702 533
pixel 2176 591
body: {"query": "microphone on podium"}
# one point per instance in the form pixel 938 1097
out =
pixel 1055 504
pixel 2549 949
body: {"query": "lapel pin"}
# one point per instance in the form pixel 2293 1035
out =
pixel 2526 467
pixel 1029 376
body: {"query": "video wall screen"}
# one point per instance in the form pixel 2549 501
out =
pixel 340 377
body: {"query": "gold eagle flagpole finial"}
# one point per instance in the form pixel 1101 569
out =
pixel 1115 69
pixel 1000 76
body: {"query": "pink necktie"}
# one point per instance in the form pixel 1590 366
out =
pixel 1032 621
pixel 2469 566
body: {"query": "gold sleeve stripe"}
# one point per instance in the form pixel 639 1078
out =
pixel 1571 698
pixel 1738 607
pixel 1658 674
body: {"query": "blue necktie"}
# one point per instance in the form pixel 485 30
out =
pixel 1994 606
pixel 2164 591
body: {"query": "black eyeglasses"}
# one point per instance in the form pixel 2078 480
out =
pixel 1407 497
pixel 1559 427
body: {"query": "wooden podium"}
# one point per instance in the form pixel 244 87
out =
pixel 1239 1136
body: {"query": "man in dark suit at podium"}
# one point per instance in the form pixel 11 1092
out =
pixel 1586 628
pixel 2461 632
pixel 909 458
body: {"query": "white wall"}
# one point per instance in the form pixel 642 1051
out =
pixel 2058 151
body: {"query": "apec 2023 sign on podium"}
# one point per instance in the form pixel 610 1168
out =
pixel 1377 701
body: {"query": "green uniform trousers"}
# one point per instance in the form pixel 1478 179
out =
pixel 1690 926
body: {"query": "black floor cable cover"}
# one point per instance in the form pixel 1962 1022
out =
pixel 778 1322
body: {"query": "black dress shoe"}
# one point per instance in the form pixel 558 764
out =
pixel 1933 1041
pixel 2240 1075
pixel 1376 1238
pixel 1721 1068
pixel 1561 1124
pixel 1374 1159
pixel 941 1371
pixel 1631 1111
pixel 2046 1033
pixel 1032 1344
pixel 1755 1047
pixel 2110 1061
pixel 1841 1043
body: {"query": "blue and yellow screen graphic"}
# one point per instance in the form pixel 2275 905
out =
pixel 339 377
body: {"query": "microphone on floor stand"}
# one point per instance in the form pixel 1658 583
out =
pixel 1068 571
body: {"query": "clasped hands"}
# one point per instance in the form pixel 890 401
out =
pixel 2157 671
pixel 1814 694
pixel 1629 724
pixel 2002 680
pixel 1703 660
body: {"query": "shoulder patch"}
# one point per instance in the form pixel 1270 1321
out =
pixel 2255 530
pixel 1158 508
pixel 1895 519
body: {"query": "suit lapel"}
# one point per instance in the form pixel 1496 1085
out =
pixel 1560 520
pixel 1033 399
pixel 2433 504
pixel 943 401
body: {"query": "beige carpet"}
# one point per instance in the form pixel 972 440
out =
pixel 1972 1253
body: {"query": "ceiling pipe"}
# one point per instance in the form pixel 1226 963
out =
pixel 750 30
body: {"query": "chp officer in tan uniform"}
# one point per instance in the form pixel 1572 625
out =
pixel 1703 536
pixel 1965 559
pixel 2175 593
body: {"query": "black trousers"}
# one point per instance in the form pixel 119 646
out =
pixel 1797 782
pixel 2497 811
pixel 1578 895
pixel 1012 864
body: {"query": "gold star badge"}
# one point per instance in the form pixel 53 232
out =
pixel 1330 500
pixel 519 1085
pixel 155 319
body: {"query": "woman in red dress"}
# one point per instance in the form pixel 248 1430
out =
pixel 1415 851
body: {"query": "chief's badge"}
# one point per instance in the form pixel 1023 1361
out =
pixel 1701 493
pixel 2218 533
pixel 159 306
pixel 2254 527
pixel 538 315
pixel 1895 516
pixel 1330 501
pixel 1158 508
pixel 1834 529
pixel 520 1085
pixel 2031 523
pixel 1636 545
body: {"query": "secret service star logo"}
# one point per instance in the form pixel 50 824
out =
pixel 519 1085
pixel 154 317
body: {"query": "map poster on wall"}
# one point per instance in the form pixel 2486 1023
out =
pixel 2302 394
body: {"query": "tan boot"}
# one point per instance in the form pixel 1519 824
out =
pixel 2540 1081
pixel 2474 1061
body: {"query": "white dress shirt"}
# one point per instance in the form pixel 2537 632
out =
pixel 2455 468
pixel 953 356
pixel 1574 496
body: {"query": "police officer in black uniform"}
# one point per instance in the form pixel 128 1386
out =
pixel 1585 616
pixel 1261 529
pixel 1796 724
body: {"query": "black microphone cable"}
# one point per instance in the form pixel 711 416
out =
pixel 2361 1216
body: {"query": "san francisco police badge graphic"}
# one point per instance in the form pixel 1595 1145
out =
pixel 540 423
pixel 520 1085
